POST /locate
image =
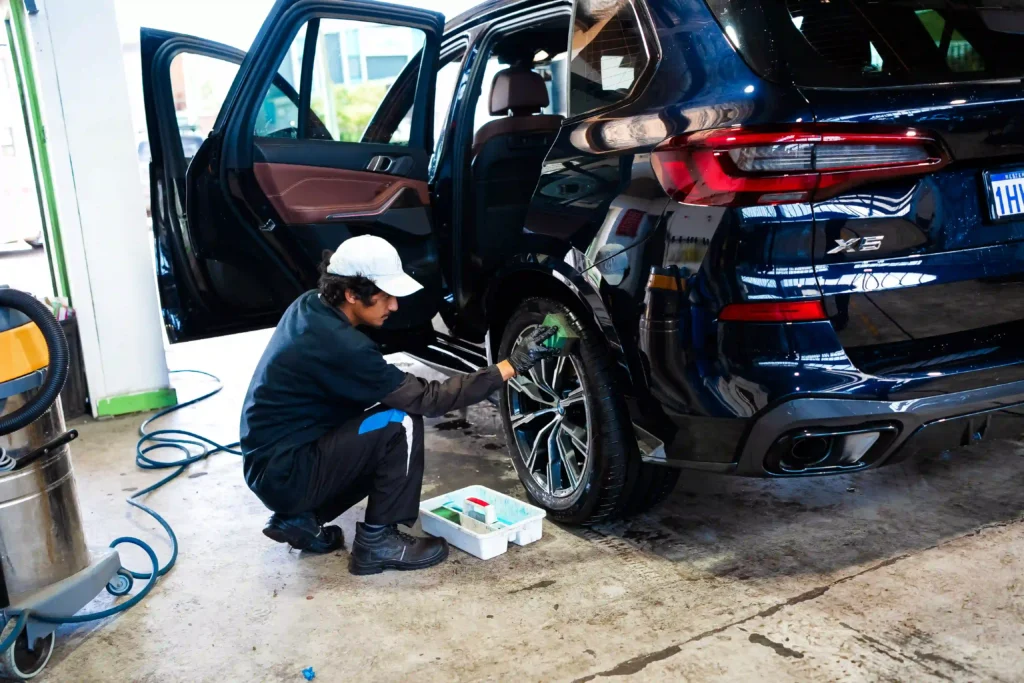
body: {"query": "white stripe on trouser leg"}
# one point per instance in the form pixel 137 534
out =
pixel 407 425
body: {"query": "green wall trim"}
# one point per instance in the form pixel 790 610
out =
pixel 23 57
pixel 137 403
pixel 27 121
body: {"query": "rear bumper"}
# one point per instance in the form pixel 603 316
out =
pixel 923 425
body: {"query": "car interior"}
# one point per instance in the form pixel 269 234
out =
pixel 523 90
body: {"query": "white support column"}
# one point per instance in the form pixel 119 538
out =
pixel 108 251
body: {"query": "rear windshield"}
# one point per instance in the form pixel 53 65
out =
pixel 865 43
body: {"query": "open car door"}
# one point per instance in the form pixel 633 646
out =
pixel 292 166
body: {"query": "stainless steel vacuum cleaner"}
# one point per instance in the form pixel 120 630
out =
pixel 45 565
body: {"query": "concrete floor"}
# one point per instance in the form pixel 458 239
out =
pixel 907 573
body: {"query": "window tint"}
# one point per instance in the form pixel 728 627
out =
pixel 959 54
pixel 354 66
pixel 278 116
pixel 608 53
pixel 850 43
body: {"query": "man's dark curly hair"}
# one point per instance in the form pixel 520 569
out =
pixel 333 287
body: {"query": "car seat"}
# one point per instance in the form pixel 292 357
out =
pixel 507 158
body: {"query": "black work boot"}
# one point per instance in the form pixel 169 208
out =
pixel 303 532
pixel 375 550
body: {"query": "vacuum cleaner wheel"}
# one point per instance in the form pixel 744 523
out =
pixel 121 584
pixel 20 663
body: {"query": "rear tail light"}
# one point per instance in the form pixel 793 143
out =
pixel 800 163
pixel 774 312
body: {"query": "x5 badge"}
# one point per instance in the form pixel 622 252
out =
pixel 864 244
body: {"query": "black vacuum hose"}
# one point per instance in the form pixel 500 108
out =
pixel 56 372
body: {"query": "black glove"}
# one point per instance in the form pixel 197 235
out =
pixel 530 350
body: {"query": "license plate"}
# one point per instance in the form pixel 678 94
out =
pixel 1005 194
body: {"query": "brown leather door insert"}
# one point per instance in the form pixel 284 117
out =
pixel 310 194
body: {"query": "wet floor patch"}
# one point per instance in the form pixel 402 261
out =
pixel 765 528
pixel 452 425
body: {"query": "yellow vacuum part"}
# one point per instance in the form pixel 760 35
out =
pixel 22 350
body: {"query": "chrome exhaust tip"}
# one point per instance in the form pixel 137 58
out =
pixel 814 450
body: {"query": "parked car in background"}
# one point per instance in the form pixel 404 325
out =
pixel 771 272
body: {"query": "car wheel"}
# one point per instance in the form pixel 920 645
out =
pixel 567 428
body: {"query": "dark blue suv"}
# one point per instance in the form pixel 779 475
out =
pixel 788 234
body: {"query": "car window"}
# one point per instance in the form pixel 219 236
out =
pixel 958 53
pixel 190 144
pixel 444 91
pixel 446 80
pixel 278 116
pixel 355 63
pixel 608 54
pixel 199 84
pixel 867 43
pixel 483 104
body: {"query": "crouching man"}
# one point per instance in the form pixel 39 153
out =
pixel 328 422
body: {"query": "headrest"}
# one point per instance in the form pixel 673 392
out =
pixel 518 89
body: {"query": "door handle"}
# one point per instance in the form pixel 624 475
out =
pixel 380 164
pixel 400 165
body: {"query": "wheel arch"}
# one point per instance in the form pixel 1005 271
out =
pixel 540 276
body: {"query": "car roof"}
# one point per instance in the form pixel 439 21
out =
pixel 488 9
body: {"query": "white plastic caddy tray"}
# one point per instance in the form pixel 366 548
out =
pixel 520 522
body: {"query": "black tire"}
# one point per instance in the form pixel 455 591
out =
pixel 599 494
pixel 653 484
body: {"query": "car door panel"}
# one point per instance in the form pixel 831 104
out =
pixel 259 211
pixel 313 194
pixel 324 206
pixel 196 287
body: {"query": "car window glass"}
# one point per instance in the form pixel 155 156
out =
pixel 870 43
pixel 552 69
pixel 608 54
pixel 444 91
pixel 199 85
pixel 483 105
pixel 959 54
pixel 355 63
pixel 278 116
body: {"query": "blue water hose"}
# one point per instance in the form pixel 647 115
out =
pixel 178 439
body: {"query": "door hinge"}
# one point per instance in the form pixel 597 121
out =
pixel 268 226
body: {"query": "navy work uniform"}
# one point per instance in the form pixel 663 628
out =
pixel 309 443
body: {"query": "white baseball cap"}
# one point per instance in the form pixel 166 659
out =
pixel 375 259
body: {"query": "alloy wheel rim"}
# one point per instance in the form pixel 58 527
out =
pixel 551 424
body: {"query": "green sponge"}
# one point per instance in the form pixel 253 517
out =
pixel 447 513
pixel 565 338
